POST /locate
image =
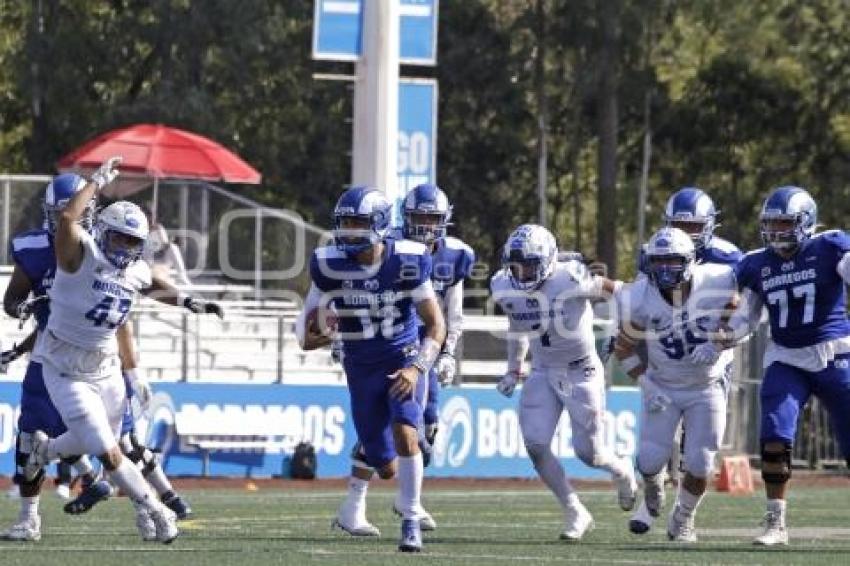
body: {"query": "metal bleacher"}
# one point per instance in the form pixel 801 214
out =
pixel 255 343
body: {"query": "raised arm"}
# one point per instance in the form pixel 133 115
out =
pixel 69 234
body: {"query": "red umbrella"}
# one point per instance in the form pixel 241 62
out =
pixel 159 151
pixel 154 152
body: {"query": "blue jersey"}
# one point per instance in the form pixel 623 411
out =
pixel 718 250
pixel 452 263
pixel 804 295
pixel 33 253
pixel 374 304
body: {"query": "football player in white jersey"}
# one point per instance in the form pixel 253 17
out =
pixel 548 304
pixel 676 311
pixel 96 282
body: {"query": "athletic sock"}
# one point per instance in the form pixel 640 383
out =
pixel 410 472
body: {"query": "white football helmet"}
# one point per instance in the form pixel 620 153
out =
pixel 119 219
pixel 670 257
pixel 529 256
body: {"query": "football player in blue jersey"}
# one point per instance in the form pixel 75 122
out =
pixel 692 211
pixel 800 277
pixel 377 287
pixel 427 213
pixel 35 266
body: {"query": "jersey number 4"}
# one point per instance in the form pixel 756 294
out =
pixel 780 298
pixel 110 311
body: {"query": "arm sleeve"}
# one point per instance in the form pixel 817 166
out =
pixel 454 317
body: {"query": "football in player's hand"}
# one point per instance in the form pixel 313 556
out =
pixel 326 326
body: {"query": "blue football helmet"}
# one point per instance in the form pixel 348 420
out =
pixel 788 204
pixel 369 205
pixel 692 211
pixel 430 204
pixel 670 255
pixel 56 196
pixel 529 256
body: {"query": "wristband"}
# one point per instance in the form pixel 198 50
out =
pixel 429 349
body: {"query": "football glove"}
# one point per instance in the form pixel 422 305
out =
pixel 106 173
pixel 200 306
pixel 705 354
pixel 508 383
pixel 446 368
pixel 140 386
pixel 9 356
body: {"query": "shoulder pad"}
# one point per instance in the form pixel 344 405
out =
pixel 453 243
pixel 34 240
pixel 837 238
pixel 329 252
pixel 723 245
pixel 410 247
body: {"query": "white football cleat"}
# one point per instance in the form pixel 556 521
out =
pixel 63 491
pixel 775 532
pixel 641 521
pixel 426 521
pixel 578 521
pixel 354 522
pixel 165 522
pixel 24 531
pixel 145 524
pixel 680 527
pixel 627 489
pixel 38 455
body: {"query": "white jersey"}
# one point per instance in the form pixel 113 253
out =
pixel 671 333
pixel 557 317
pixel 87 306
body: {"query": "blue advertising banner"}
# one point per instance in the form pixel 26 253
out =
pixel 338 28
pixel 417 133
pixel 479 430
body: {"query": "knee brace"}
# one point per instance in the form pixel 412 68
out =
pixel 138 453
pixel 23 447
pixel 358 458
pixel 776 459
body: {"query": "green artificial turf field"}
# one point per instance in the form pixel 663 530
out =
pixel 476 526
